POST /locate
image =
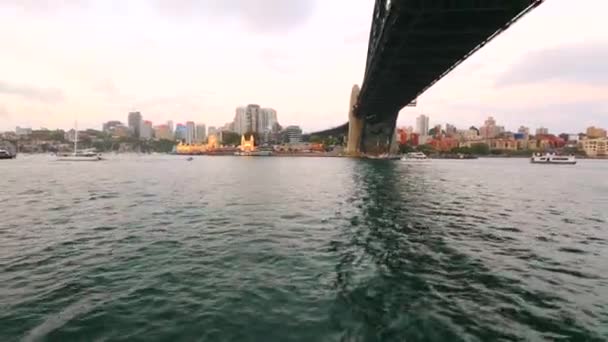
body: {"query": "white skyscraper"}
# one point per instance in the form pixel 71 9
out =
pixel 240 120
pixel 422 125
pixel 201 133
pixel 252 118
pixel 190 132
pixel 267 120
pixel 146 131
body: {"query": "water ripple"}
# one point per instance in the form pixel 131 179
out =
pixel 279 249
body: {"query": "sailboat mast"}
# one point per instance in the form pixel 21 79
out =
pixel 75 137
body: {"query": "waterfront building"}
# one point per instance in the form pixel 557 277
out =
pixel 490 130
pixel 201 133
pixel 252 115
pixel 212 131
pixel 503 144
pixel 120 131
pixel 240 120
pixel 525 131
pixel 542 131
pixel 23 131
pixel 422 125
pixel 450 130
pixel 190 132
pixel 163 132
pixel 294 134
pixel 213 142
pixel 268 118
pixel 170 125
pixel 401 136
pixel 135 120
pixel 146 131
pixel 597 147
pixel 470 134
pixel 443 144
pixel 595 132
pixel 109 126
pixel 253 118
pixel 180 131
pixel 247 145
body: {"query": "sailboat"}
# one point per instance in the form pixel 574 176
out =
pixel 84 155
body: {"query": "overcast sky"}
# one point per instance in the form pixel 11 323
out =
pixel 96 60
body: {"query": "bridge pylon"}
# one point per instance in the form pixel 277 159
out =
pixel 355 125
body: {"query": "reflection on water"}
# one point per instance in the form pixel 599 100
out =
pixel 303 249
pixel 417 264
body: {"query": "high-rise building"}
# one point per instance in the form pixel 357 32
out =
pixel 170 126
pixel 294 134
pixel 542 131
pixel 146 130
pixel 595 132
pixel 524 130
pixel 240 120
pixel 252 116
pixel 268 117
pixel 490 129
pixel 110 126
pixel 163 132
pixel 201 133
pixel 450 130
pixel 135 123
pixel 180 131
pixel 190 132
pixel 212 130
pixel 422 125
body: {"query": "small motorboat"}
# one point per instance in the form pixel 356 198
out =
pixel 552 158
pixel 4 154
pixel 415 156
pixel 190 159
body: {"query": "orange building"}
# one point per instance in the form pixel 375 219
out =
pixel 443 144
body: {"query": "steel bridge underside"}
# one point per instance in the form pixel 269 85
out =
pixel 414 43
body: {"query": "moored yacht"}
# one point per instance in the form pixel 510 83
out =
pixel 84 155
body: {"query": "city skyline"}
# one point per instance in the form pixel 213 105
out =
pixel 150 61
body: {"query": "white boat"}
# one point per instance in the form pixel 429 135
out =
pixel 80 156
pixel 552 158
pixel 84 155
pixel 4 154
pixel 415 156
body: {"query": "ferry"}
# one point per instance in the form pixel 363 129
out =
pixel 552 158
pixel 415 156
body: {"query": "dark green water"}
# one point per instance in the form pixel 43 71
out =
pixel 280 249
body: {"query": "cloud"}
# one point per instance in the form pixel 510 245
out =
pixel 3 112
pixel 107 87
pixel 356 38
pixel 31 92
pixel 277 60
pixel 42 5
pixel 581 64
pixel 257 15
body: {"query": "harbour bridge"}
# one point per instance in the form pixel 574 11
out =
pixel 412 45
